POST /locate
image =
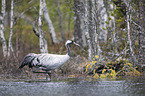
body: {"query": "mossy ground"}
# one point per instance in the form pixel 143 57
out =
pixel 111 69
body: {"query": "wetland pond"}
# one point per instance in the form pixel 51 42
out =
pixel 73 87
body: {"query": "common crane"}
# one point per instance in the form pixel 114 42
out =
pixel 47 62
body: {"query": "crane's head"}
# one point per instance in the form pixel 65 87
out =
pixel 71 42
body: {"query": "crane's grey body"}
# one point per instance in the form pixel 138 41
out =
pixel 47 62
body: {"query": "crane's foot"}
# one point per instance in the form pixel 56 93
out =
pixel 48 73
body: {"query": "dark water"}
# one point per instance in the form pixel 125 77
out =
pixel 133 87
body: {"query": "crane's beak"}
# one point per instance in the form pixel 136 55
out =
pixel 76 44
pixel 79 46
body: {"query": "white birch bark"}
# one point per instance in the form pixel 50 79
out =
pixel 128 21
pixel 128 31
pixel 97 29
pixel 86 29
pixel 112 25
pixel 94 27
pixel 10 47
pixel 49 22
pixel 35 30
pixel 83 33
pixel 103 18
pixel 2 34
pixel 42 41
pixel 90 55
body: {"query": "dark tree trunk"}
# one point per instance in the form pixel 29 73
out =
pixel 77 24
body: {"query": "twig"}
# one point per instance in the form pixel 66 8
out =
pixel 25 11
pixel 136 24
pixel 119 72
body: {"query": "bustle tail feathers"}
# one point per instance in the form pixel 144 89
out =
pixel 28 60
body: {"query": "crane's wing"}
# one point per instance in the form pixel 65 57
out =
pixel 49 61
pixel 28 60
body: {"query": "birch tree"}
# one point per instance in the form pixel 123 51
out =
pixel 93 26
pixel 85 28
pixel 113 27
pixel 90 23
pixel 39 32
pixel 10 47
pixel 42 41
pixel 81 25
pixel 103 20
pixel 128 21
pixel 7 50
pixel 110 8
pixel 2 33
pixel 49 22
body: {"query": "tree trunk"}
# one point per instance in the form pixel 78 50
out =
pixel 60 22
pixel 86 19
pixel 128 19
pixel 49 22
pixel 2 34
pixel 97 29
pixel 90 55
pixel 92 26
pixel 77 22
pixel 69 23
pixel 85 28
pixel 112 24
pixel 141 60
pixel 103 19
pixel 42 41
pixel 89 28
pixel 10 47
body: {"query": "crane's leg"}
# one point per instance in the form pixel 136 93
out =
pixel 35 71
pixel 48 73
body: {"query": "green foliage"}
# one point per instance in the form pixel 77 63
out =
pixel 106 22
pixel 104 28
pixel 109 18
pixel 112 14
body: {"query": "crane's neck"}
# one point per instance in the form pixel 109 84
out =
pixel 68 50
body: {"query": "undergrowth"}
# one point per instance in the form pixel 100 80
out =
pixel 110 69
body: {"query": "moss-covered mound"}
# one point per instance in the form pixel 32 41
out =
pixel 111 69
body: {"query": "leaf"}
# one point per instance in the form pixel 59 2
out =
pixel 103 70
pixel 102 76
pixel 106 22
pixel 109 18
pixel 96 76
pixel 112 14
pixel 87 67
pixel 104 28
pixel 96 56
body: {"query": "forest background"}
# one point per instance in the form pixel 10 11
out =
pixel 107 30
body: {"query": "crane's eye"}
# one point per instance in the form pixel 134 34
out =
pixel 72 41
